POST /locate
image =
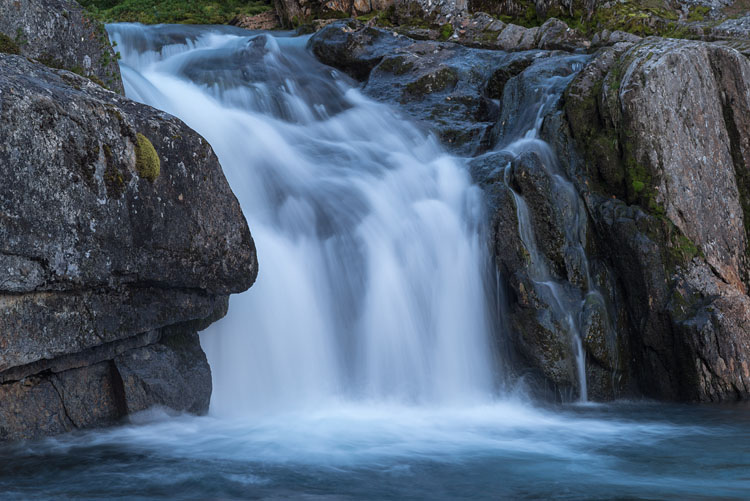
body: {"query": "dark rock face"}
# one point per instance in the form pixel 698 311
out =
pixel 666 139
pixel 354 48
pixel 172 372
pixel 61 34
pixel 451 89
pixel 100 256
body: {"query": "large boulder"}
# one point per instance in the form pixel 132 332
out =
pixel 60 33
pixel 663 127
pixel 119 239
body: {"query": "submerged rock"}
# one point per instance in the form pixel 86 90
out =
pixel 116 222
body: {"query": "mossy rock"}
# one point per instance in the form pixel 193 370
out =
pixel 8 45
pixel 147 161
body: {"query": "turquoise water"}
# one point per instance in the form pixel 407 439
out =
pixel 507 450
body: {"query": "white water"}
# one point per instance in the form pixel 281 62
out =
pixel 369 236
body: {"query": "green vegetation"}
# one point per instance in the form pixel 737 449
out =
pixel 8 45
pixel 641 17
pixel 174 11
pixel 147 161
pixel 446 31
pixel 698 12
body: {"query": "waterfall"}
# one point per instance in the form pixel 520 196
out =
pixel 370 237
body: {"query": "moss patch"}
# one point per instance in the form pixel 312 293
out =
pixel 446 31
pixel 8 45
pixel 147 161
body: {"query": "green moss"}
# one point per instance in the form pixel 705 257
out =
pixel 147 162
pixel 446 31
pixel 8 45
pixel 698 13
pixel 174 11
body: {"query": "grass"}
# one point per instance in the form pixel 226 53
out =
pixel 174 11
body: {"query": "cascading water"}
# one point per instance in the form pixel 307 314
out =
pixel 521 135
pixel 369 236
pixel 359 366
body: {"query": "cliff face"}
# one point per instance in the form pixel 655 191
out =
pixel 664 131
pixel 638 211
pixel 119 239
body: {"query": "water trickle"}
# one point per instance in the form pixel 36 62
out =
pixel 523 121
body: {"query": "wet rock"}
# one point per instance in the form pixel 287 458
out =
pixel 354 48
pixel 173 373
pixel 451 89
pixel 61 34
pixel 116 222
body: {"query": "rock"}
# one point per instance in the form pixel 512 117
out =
pixel 293 13
pixel 515 37
pixel 451 89
pixel 101 252
pixel 540 8
pixel 173 373
pixel 606 37
pixel 555 35
pixel 263 21
pixel 663 127
pixel 59 33
pixel 354 48
pixel 738 28
pixel 437 13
